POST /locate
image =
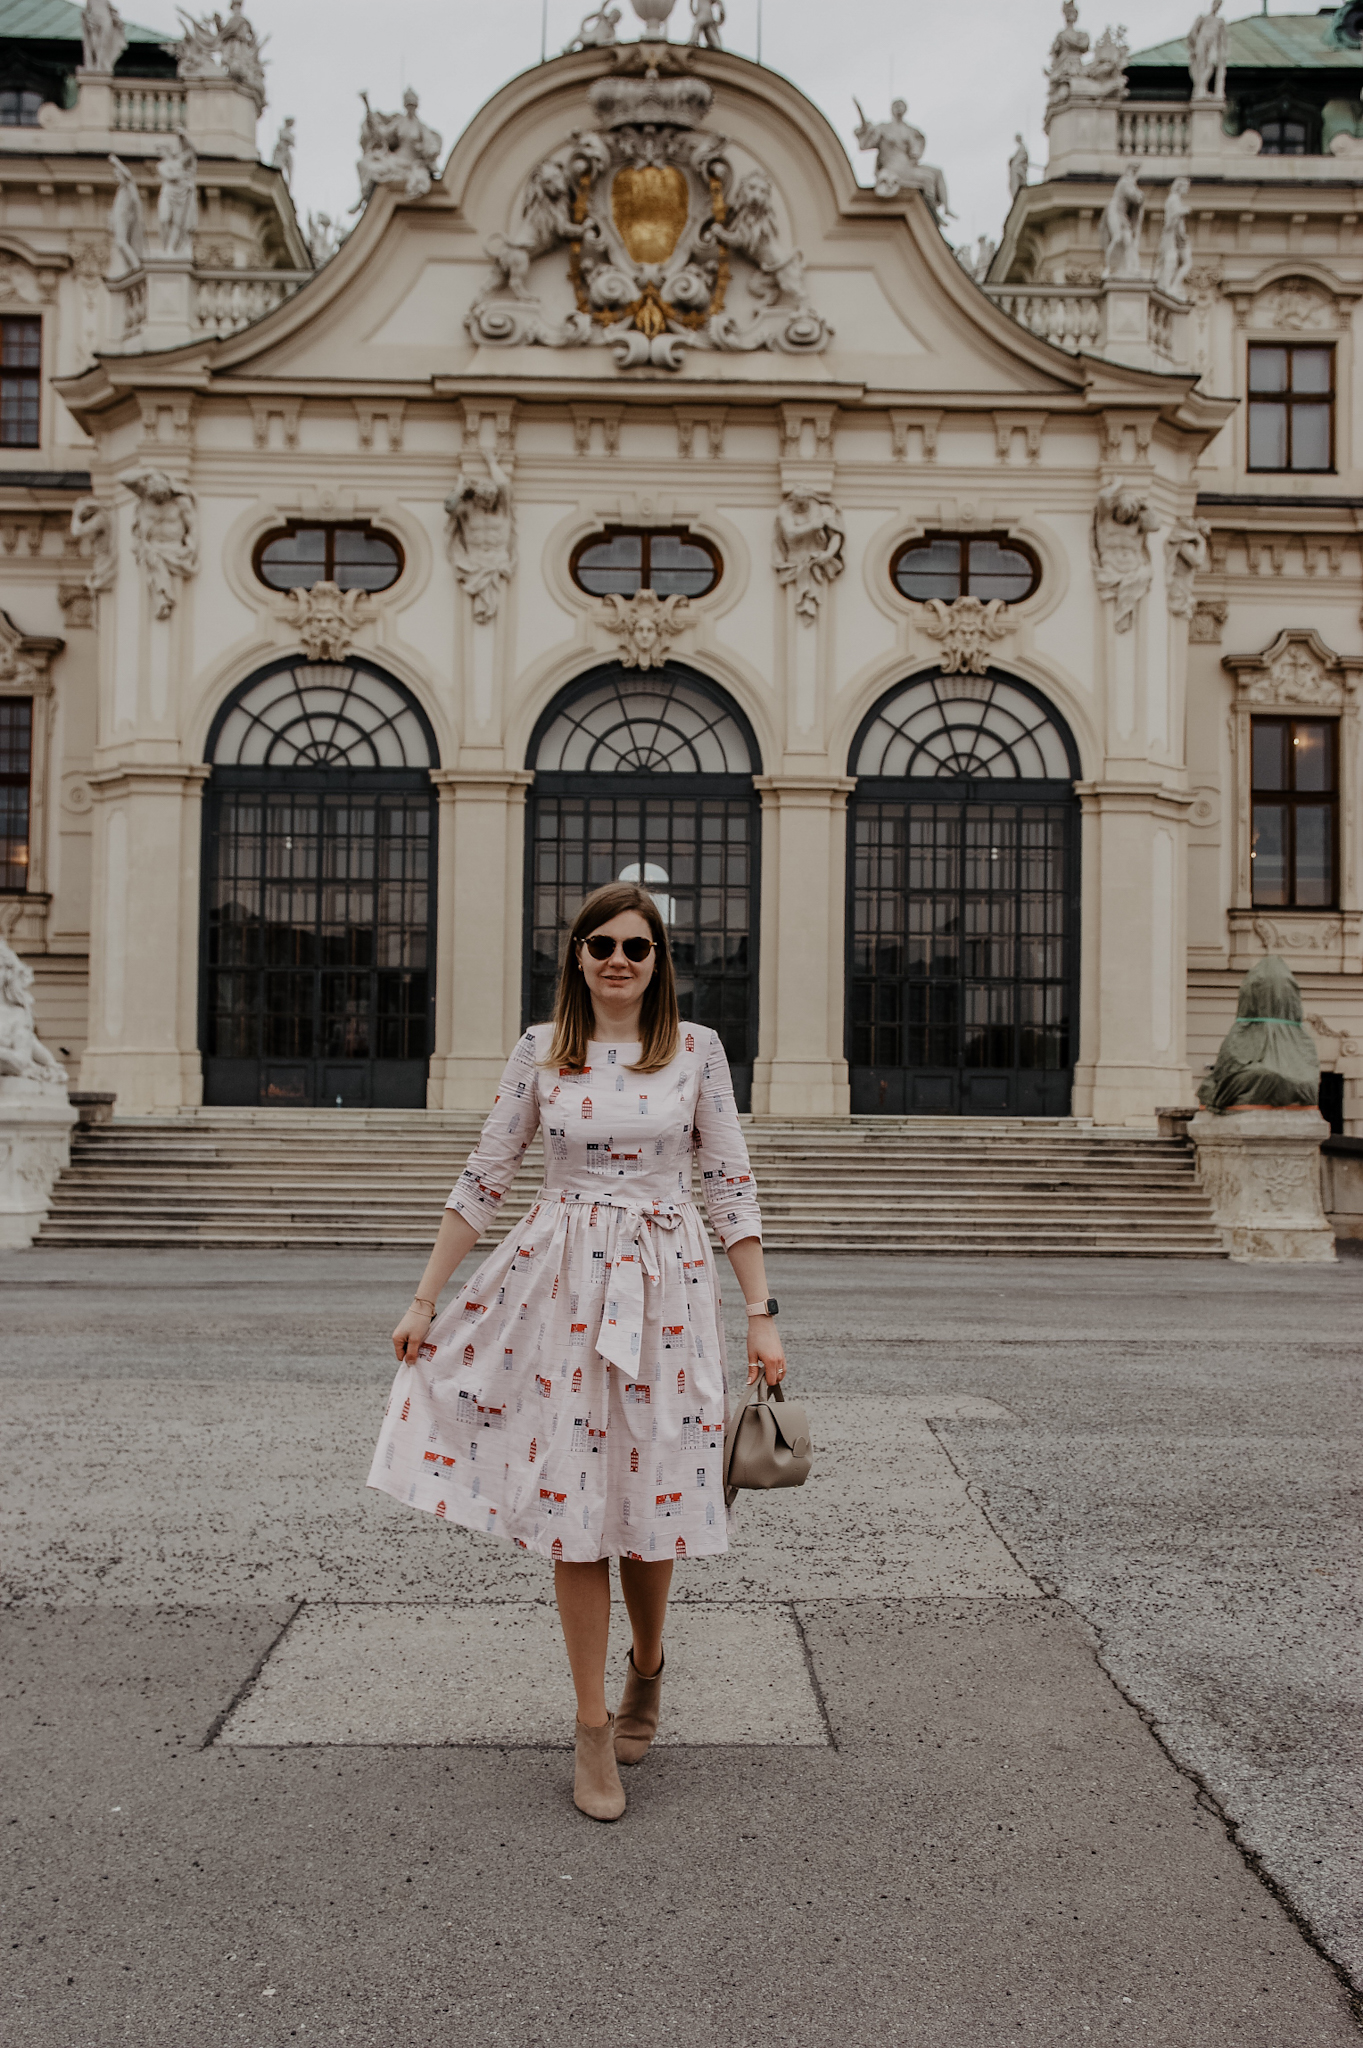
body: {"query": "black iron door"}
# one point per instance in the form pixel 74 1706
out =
pixel 963 929
pixel 319 901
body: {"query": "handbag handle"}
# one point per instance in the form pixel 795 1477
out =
pixel 766 1392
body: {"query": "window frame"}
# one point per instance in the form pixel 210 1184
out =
pixel 1281 110
pixel 331 527
pixel 1005 540
pixel 1291 799
pixel 25 374
pixel 646 534
pixel 11 779
pixel 1288 401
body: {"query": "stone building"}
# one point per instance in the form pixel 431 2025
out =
pixel 637 493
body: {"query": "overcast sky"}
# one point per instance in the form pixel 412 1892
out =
pixel 971 70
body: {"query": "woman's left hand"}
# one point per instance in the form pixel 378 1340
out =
pixel 765 1352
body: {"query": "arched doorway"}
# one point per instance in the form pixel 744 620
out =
pixel 319 891
pixel 963 912
pixel 650 777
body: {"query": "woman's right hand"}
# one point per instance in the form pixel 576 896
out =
pixel 410 1335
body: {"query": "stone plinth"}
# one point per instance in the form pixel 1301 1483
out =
pixel 1341 1176
pixel 1261 1168
pixel 35 1145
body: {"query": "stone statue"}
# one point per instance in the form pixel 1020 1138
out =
pixel 177 209
pixel 596 31
pixel 282 160
pixel 1122 524
pixel 899 148
pixel 165 535
pixel 707 22
pixel 1186 556
pixel 23 1056
pixel 127 223
pixel 808 547
pixel 103 35
pixel 751 227
pixel 326 619
pixel 975 262
pixel 214 48
pixel 93 531
pixel 397 149
pixel 324 238
pixel 1106 74
pixel 647 624
pixel 1208 54
pixel 1019 168
pixel 1174 257
pixel 1268 1058
pixel 1070 76
pixel 482 537
pixel 1120 230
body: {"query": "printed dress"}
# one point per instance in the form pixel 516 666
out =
pixel 572 1396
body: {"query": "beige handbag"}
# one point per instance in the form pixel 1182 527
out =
pixel 768 1443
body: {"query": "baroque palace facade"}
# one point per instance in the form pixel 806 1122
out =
pixel 967 657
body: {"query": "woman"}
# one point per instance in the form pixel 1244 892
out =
pixel 573 1397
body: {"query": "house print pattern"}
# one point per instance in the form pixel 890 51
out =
pixel 585 1358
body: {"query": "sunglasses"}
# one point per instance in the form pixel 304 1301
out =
pixel 602 948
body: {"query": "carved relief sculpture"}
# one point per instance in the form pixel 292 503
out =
pixel 647 625
pixel 1186 556
pixel 808 548
pixel 482 540
pixel 1119 232
pixel 397 149
pixel 1019 168
pixel 103 36
pixel 93 530
pixel 214 48
pixel 899 167
pixel 326 619
pixel 1122 524
pixel 177 209
pixel 965 628
pixel 1174 257
pixel 707 21
pixel 23 1056
pixel 596 31
pixel 642 205
pixel 165 535
pixel 127 223
pixel 1208 621
pixel 1208 54
pixel 1074 75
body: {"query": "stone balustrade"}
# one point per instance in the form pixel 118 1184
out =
pixel 1069 315
pixel 1153 130
pixel 148 109
pixel 1125 319
pixel 228 300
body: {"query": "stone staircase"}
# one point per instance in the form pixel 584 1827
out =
pixel 376 1180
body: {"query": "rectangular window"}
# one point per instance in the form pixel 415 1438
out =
pixel 16 759
pixel 21 357
pixel 1295 829
pixel 1291 407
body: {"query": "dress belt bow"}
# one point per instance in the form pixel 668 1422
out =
pixel 632 1256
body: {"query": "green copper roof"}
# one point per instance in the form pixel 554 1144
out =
pixel 58 21
pixel 1267 42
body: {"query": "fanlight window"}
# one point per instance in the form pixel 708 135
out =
pixel 629 727
pixel 951 565
pixel 321 715
pixel 964 728
pixel 352 557
pixel 674 564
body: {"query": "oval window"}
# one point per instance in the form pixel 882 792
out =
pixel 622 561
pixel 949 565
pixel 352 557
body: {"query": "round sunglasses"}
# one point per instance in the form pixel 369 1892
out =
pixel 602 948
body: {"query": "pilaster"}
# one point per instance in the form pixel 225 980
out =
pixel 478 922
pixel 801 1069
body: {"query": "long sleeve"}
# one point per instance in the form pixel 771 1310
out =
pixel 726 1172
pixel 515 1118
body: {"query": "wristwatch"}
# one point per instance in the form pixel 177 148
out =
pixel 769 1307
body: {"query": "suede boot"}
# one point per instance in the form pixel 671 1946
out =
pixel 636 1724
pixel 597 1790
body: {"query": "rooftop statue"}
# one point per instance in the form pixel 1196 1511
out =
pixel 23 1056
pixel 1174 257
pixel 214 48
pixel 1019 168
pixel 707 23
pixel 1074 75
pixel 1268 1058
pixel 899 148
pixel 596 31
pixel 177 209
pixel 127 223
pixel 285 143
pixel 397 149
pixel 103 35
pixel 653 14
pixel 1208 54
pixel 975 262
pixel 1119 232
pixel 324 238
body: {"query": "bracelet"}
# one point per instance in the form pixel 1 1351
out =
pixel 420 1301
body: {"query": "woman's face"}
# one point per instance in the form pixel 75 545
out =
pixel 618 984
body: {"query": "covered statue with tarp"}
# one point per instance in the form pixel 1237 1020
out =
pixel 1268 1058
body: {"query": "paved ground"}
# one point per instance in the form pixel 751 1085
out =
pixel 1032 1719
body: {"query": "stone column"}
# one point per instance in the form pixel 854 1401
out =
pixel 1261 1168
pixel 144 937
pixel 479 926
pixel 801 1069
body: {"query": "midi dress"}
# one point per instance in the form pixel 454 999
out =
pixel 572 1398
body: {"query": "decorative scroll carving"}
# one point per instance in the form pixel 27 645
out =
pixel 965 629
pixel 1186 555
pixel 1122 524
pixel 808 547
pixel 327 618
pixel 647 625
pixel 482 540
pixel 165 535
pixel 1297 669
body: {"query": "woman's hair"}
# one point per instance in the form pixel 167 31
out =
pixel 659 1019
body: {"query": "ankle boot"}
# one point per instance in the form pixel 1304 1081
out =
pixel 636 1724
pixel 597 1790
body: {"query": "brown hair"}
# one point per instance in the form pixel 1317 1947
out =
pixel 659 1019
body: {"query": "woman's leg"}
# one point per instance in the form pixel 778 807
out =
pixel 584 1608
pixel 646 1587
